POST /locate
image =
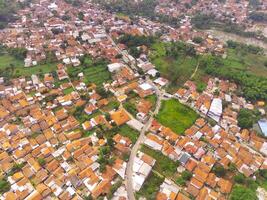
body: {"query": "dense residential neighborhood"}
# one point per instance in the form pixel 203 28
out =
pixel 97 104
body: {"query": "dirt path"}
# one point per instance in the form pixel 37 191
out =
pixel 192 76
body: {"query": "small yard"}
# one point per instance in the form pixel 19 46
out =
pixel 127 131
pixel 68 90
pixel 164 165
pixel 176 116
pixel 151 187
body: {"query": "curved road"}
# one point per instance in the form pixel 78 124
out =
pixel 140 140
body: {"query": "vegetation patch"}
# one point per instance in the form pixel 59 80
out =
pixel 127 131
pixel 176 116
pixel 150 187
pixel 175 61
pixel 93 71
pixel 241 192
pixel 68 90
pixel 164 165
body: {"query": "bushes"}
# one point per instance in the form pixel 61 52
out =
pixel 219 170
pixel 186 175
pixel 131 108
pixel 244 47
pixel 135 41
pixel 240 192
pixel 253 87
pixel 151 186
pixel 41 161
pixel 246 118
pixel 164 164
pixel 4 186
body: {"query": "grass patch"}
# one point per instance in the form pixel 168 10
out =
pixel 153 100
pixel 164 165
pixel 68 90
pixel 19 70
pixel 131 108
pixel 151 187
pixel 127 131
pixel 177 70
pixel 111 106
pixel 249 62
pixel 176 116
pixel 93 72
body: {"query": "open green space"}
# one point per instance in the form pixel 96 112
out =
pixel 163 165
pixel 151 187
pixel 15 67
pixel 252 63
pixel 68 90
pixel 176 69
pixel 96 73
pixel 127 131
pixel 176 116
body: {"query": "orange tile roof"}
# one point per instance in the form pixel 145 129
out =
pixel 120 117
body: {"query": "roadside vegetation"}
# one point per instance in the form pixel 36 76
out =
pixel 176 116
pixel 164 165
pixel 127 131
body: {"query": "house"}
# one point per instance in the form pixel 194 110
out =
pixel 115 67
pixel 215 111
pixel 119 117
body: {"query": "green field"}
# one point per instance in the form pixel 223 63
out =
pixel 97 73
pixel 252 63
pixel 127 131
pixel 164 165
pixel 68 90
pixel 176 116
pixel 151 187
pixel 19 70
pixel 178 70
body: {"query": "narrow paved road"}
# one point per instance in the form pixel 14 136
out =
pixel 140 140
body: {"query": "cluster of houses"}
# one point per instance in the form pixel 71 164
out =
pixel 201 148
pixel 234 11
pixel 44 151
pixel 51 127
pixel 54 31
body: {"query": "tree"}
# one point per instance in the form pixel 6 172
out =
pixel 240 192
pixel 246 118
pixel 41 161
pixel 186 175
pixel 81 16
pixel 4 186
pixel 219 170
pixel 198 40
pixel 240 178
